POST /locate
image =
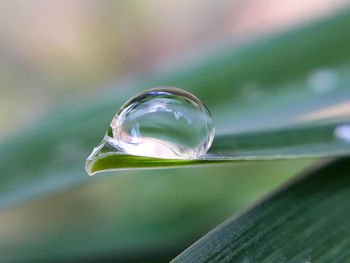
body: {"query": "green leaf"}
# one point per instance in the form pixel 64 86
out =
pixel 306 221
pixel 317 140
pixel 262 85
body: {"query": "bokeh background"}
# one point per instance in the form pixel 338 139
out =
pixel 59 52
pixel 51 50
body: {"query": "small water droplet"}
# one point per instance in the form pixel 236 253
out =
pixel 253 91
pixel 164 123
pixel 323 80
pixel 343 132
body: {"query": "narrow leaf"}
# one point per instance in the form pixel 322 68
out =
pixel 317 140
pixel 305 221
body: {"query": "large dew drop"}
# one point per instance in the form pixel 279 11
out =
pixel 163 123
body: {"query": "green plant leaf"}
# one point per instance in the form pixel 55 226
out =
pixel 318 140
pixel 261 85
pixel 305 221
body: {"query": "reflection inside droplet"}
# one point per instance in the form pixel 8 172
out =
pixel 163 123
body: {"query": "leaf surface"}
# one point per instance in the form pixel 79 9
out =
pixel 305 221
pixel 311 141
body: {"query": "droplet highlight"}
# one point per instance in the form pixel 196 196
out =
pixel 165 123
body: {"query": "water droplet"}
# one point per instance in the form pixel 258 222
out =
pixel 163 123
pixel 343 132
pixel 252 91
pixel 323 80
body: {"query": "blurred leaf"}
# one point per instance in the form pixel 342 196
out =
pixel 318 140
pixel 306 221
pixel 49 157
pixel 143 215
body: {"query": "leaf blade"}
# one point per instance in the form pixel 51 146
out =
pixel 308 141
pixel 308 220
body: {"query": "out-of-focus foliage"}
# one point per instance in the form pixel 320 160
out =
pixel 53 50
pixel 137 214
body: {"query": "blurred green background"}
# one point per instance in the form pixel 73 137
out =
pixel 57 53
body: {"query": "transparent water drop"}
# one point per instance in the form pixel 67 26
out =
pixel 323 80
pixel 165 123
pixel 343 132
pixel 252 91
